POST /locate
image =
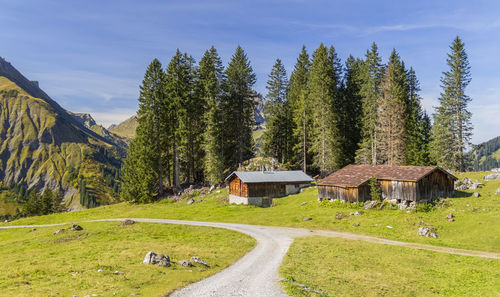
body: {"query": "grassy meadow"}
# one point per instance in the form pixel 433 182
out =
pixel 39 263
pixel 476 225
pixel 340 267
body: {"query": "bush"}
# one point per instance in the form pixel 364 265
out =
pixel 425 207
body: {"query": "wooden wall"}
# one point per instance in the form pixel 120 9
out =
pixel 331 192
pixel 238 188
pixel 435 185
pixel 400 190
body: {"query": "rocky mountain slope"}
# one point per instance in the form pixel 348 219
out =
pixel 485 156
pixel 44 146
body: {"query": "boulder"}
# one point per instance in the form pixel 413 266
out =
pixel 356 213
pixel 185 263
pixel 127 222
pixel 156 259
pixel 492 176
pixel 427 232
pixel 76 227
pixel 402 205
pixel 212 187
pixel 355 225
pixel 498 191
pixel 307 219
pixel 190 201
pixel 303 203
pixel 450 217
pixel 370 204
pixel 496 170
pixel 461 188
pixel 476 186
pixel 476 194
pixel 199 261
pixel 339 216
pixel 58 231
pixel 413 205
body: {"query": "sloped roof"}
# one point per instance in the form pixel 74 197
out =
pixel 271 176
pixel 356 175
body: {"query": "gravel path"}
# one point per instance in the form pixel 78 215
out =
pixel 256 274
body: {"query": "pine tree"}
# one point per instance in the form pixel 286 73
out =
pixel 47 202
pixel 33 205
pixel 210 83
pixel 391 116
pixel 144 167
pixel 238 108
pixel 370 92
pixel 452 120
pixel 323 92
pixel 350 109
pixel 301 109
pixel 277 142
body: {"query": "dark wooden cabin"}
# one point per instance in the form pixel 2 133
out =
pixel 259 187
pixel 402 183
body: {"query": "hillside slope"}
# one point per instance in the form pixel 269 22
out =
pixel 486 156
pixel 44 146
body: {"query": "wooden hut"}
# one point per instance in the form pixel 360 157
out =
pixel 402 183
pixel 259 187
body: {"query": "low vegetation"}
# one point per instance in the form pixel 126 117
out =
pixel 317 266
pixel 106 258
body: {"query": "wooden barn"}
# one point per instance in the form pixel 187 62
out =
pixel 402 183
pixel 259 187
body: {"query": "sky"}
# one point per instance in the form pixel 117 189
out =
pixel 90 56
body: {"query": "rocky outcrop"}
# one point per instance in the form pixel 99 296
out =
pixel 157 259
pixel 492 176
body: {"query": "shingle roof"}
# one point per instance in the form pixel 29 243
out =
pixel 271 176
pixel 356 175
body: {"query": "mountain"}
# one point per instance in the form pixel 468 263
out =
pixel 126 129
pixel 44 146
pixel 485 156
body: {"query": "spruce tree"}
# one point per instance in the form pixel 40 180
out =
pixel 278 128
pixel 417 125
pixel 238 108
pixel 350 109
pixel 372 72
pixel 301 110
pixel 323 92
pixel 211 80
pixel 452 120
pixel 391 115
pixel 144 167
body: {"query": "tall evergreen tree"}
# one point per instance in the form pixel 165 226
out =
pixel 277 137
pixel 372 72
pixel 417 125
pixel 391 115
pixel 143 169
pixel 323 92
pixel 298 98
pixel 350 109
pixel 452 120
pixel 211 81
pixel 238 107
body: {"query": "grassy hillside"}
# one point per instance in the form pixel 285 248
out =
pixel 39 263
pixel 477 220
pixel 486 155
pixel 340 267
pixel 258 139
pixel 126 128
pixel 40 148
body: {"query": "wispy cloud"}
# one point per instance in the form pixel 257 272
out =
pixel 91 85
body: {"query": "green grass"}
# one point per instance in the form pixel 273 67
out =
pixel 476 226
pixel 39 263
pixel 340 267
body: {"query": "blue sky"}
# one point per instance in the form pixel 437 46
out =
pixel 90 56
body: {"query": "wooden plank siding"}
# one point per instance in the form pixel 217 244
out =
pixel 400 190
pixel 238 188
pixel 435 185
pixel 332 192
